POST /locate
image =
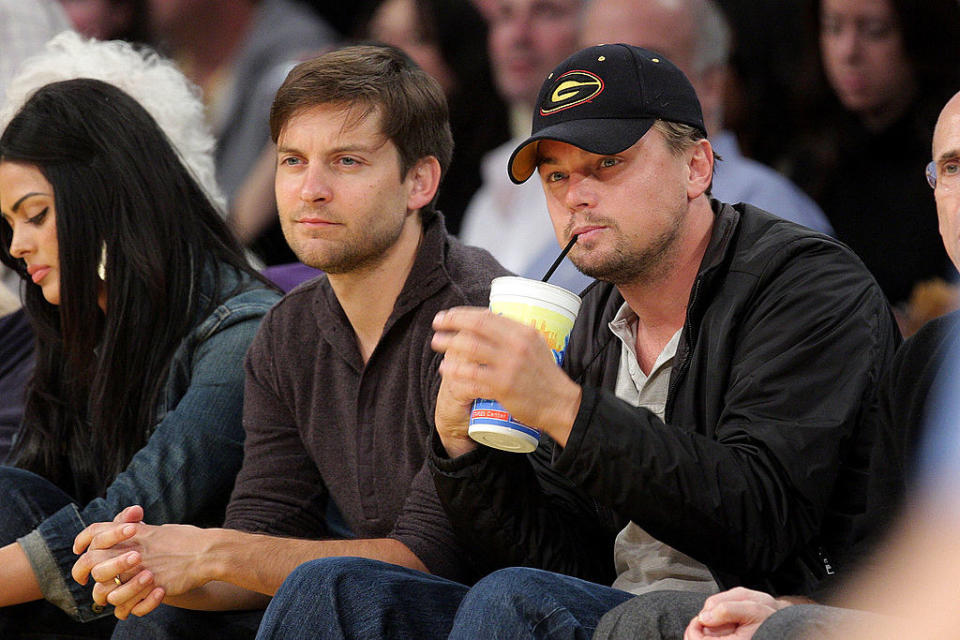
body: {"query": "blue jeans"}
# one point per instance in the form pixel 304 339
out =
pixel 26 500
pixel 357 598
pixel 170 623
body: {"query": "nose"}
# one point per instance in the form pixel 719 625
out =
pixel 580 192
pixel 315 186
pixel 848 43
pixel 21 244
pixel 515 29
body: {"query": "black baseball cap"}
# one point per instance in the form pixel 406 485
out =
pixel 603 99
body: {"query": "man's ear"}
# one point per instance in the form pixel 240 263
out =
pixel 424 179
pixel 700 167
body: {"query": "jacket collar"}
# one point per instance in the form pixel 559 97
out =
pixel 726 221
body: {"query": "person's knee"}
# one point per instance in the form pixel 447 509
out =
pixel 503 602
pixel 164 623
pixel 324 575
pixel 502 584
pixel 171 623
pixel 358 598
pixel 315 571
pixel 663 614
pixel 802 621
pixel 515 594
pixel 333 578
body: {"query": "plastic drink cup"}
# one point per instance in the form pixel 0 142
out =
pixel 551 310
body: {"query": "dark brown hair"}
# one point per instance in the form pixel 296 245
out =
pixel 680 137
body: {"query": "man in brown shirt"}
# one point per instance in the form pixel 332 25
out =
pixel 341 379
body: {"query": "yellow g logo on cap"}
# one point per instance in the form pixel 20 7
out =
pixel 571 89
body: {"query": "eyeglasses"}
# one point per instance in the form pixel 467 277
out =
pixel 932 174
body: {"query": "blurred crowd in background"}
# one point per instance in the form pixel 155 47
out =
pixel 839 98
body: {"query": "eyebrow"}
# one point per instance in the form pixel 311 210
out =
pixel 948 155
pixel 16 205
pixel 355 148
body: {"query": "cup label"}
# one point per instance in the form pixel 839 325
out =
pixel 554 327
pixel 490 412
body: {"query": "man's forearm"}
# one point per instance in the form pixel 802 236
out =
pixel 219 596
pixel 260 563
pixel 242 570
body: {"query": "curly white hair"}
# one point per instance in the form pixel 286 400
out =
pixel 152 80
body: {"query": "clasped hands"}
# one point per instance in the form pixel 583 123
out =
pixel 490 356
pixel 115 555
pixel 735 614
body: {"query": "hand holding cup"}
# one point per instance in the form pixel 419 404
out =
pixel 487 355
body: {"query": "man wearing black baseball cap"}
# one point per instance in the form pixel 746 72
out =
pixel 697 436
pixel 604 99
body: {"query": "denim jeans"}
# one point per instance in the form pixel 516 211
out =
pixel 28 499
pixel 170 623
pixel 535 604
pixel 357 598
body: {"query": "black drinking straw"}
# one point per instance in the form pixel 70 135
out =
pixel 556 263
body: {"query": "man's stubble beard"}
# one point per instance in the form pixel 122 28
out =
pixel 355 252
pixel 628 265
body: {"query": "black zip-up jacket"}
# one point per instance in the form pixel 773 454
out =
pixel 761 463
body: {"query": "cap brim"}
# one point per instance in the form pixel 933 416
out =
pixel 597 135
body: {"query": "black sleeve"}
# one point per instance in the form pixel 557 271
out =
pixel 516 510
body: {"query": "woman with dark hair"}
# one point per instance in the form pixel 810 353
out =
pixel 143 307
pixel 877 83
